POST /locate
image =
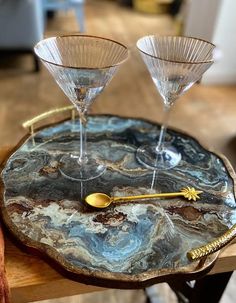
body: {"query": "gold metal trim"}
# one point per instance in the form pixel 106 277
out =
pixel 30 123
pixel 213 246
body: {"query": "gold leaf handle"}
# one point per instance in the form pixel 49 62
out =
pixel 30 123
pixel 213 246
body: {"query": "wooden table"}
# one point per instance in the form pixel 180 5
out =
pixel 32 279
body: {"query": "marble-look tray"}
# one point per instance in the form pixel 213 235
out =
pixel 128 245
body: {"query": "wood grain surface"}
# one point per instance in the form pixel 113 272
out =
pixel 208 113
pixel 4 288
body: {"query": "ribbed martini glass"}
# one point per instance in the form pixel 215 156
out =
pixel 82 66
pixel 175 64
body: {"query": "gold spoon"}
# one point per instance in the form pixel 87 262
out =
pixel 101 200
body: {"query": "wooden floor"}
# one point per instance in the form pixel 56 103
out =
pixel 208 113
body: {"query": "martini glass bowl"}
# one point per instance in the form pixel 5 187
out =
pixel 175 63
pixel 82 66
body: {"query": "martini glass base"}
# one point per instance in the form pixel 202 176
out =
pixel 168 158
pixel 71 169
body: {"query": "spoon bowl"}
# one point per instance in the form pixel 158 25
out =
pixel 99 200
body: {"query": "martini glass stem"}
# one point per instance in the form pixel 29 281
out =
pixel 83 139
pixel 161 140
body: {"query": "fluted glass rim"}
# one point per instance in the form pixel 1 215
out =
pixel 175 61
pixel 82 67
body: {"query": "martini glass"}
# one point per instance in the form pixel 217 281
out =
pixel 175 64
pixel 82 66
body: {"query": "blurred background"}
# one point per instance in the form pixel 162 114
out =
pixel 207 111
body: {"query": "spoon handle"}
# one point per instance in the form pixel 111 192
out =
pixel 162 195
pixel 189 193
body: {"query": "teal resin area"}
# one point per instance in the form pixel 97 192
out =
pixel 128 238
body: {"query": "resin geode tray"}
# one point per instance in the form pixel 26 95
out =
pixel 127 245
